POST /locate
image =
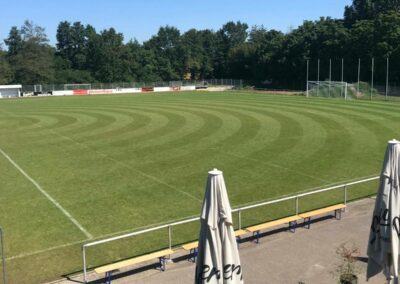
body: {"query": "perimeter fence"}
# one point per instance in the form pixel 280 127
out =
pixel 173 234
pixel 376 78
pixel 126 85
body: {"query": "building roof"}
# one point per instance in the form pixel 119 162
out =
pixel 10 87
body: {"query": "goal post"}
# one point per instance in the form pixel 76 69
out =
pixel 332 89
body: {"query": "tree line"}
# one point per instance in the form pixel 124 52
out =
pixel 369 28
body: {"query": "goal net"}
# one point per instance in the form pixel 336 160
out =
pixel 328 89
pixel 77 86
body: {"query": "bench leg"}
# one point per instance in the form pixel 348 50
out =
pixel 108 277
pixel 338 214
pixel 238 241
pixel 292 226
pixel 256 234
pixel 307 222
pixel 162 263
pixel 193 252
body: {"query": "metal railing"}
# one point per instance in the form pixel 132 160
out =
pixel 344 187
pixel 3 257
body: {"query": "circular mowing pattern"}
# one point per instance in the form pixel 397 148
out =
pixel 176 124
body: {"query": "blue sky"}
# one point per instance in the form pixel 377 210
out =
pixel 141 19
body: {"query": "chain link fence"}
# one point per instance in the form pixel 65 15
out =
pixel 375 78
pixel 126 85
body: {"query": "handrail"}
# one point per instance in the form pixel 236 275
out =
pixel 3 257
pixel 170 225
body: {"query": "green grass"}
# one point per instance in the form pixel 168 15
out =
pixel 119 163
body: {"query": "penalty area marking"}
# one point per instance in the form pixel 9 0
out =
pixel 52 200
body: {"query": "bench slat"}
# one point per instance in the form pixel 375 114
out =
pixel 192 245
pixel 239 233
pixel 322 211
pixel 132 261
pixel 274 223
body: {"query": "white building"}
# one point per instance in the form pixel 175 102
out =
pixel 7 91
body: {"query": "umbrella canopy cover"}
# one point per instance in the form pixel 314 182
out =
pixel 383 245
pixel 218 257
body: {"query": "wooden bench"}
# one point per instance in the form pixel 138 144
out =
pixel 193 246
pixel 239 234
pixel 336 208
pixel 114 267
pixel 292 221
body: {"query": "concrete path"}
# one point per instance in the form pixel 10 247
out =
pixel 306 256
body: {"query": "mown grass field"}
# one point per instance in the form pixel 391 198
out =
pixel 119 163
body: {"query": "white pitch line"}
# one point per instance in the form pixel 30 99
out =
pixel 22 255
pixel 65 212
pixel 125 165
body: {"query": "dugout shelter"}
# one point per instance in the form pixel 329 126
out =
pixel 7 91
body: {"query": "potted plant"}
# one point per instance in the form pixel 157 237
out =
pixel 347 269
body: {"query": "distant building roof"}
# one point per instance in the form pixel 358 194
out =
pixel 10 86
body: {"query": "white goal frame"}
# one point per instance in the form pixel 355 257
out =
pixel 329 85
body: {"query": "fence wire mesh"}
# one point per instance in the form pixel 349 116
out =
pixel 48 88
pixel 375 78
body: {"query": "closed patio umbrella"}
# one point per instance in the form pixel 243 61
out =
pixel 383 245
pixel 218 257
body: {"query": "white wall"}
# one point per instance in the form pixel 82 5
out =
pixel 161 89
pixel 188 88
pixel 63 93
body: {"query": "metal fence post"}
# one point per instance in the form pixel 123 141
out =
pixel 318 79
pixel 372 77
pixel 307 78
pixel 330 77
pixel 169 237
pixel 297 205
pixel 342 77
pixel 387 78
pixel 240 219
pixel 3 258
pixel 345 196
pixel 358 76
pixel 84 264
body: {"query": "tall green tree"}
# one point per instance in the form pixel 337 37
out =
pixel 198 50
pixel 32 62
pixel 368 10
pixel 168 50
pixel 230 36
pixel 14 41
pixel 6 73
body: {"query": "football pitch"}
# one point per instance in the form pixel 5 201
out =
pixel 76 169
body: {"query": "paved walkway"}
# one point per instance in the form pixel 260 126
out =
pixel 307 256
